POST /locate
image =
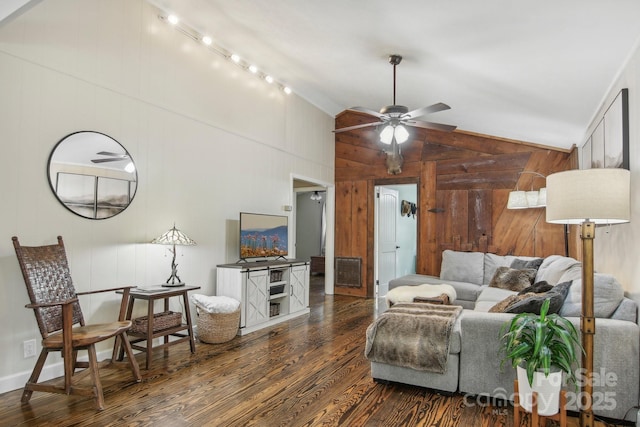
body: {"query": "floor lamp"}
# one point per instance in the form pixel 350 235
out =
pixel 588 197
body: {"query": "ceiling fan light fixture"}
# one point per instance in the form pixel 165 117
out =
pixel 401 134
pixel 386 136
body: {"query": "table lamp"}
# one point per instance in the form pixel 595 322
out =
pixel 174 237
pixel 588 197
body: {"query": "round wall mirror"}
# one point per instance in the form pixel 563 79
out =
pixel 92 175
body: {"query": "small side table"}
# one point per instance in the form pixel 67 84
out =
pixel 150 295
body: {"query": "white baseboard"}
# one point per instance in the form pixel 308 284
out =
pixel 54 370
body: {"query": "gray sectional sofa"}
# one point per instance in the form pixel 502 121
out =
pixel 473 365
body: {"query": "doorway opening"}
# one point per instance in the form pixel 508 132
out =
pixel 313 204
pixel 395 234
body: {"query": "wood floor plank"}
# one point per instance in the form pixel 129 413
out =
pixel 309 371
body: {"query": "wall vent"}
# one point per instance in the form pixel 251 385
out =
pixel 348 272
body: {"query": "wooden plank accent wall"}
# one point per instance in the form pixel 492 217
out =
pixel 463 183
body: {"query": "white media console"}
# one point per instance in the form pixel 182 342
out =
pixel 269 292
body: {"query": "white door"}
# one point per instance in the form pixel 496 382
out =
pixel 386 244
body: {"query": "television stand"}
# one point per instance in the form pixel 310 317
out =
pixel 269 292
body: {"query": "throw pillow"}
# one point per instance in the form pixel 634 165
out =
pixel 537 288
pixel 512 279
pixel 502 306
pixel 533 304
pixel 520 264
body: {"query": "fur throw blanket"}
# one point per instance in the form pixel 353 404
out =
pixel 407 293
pixel 412 335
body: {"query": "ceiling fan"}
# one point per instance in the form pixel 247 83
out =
pixel 396 117
pixel 110 157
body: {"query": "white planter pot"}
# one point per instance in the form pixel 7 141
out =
pixel 548 389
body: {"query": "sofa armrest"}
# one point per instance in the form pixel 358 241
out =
pixel 480 359
pixel 616 360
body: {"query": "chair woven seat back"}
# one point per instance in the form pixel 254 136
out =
pixel 47 277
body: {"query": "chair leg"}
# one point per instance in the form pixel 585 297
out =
pixel 33 379
pixel 135 369
pixel 95 376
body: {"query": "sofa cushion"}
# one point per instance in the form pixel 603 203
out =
pixel 520 263
pixel 554 267
pixel 462 266
pixel 512 279
pixel 533 303
pixel 607 296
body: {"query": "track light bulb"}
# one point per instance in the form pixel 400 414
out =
pixel 173 19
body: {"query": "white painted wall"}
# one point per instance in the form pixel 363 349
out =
pixel 209 140
pixel 617 248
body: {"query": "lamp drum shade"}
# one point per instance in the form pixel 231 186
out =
pixel 597 195
pixel 517 200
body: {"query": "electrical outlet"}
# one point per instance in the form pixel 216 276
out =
pixel 29 348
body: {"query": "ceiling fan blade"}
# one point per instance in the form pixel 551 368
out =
pixel 115 159
pixel 430 125
pixel 357 127
pixel 108 153
pixel 426 110
pixel 368 111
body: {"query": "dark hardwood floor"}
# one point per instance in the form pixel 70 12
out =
pixel 309 371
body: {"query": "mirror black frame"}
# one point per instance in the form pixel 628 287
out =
pixel 81 185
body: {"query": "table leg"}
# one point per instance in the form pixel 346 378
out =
pixel 187 311
pixel 149 331
pixel 166 337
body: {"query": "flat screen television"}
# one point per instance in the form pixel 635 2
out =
pixel 263 235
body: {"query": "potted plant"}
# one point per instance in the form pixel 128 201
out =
pixel 541 347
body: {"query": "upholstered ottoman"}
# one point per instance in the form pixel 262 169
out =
pixel 445 381
pixel 436 294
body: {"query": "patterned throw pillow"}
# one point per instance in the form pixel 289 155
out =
pixel 512 279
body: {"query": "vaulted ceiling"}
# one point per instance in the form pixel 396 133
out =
pixel 530 71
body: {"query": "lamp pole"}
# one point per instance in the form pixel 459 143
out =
pixel 587 323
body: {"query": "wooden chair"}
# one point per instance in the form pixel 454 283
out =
pixel 56 307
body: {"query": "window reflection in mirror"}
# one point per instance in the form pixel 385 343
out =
pixel 92 175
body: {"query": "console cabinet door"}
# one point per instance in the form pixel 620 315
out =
pixel 299 284
pixel 257 304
